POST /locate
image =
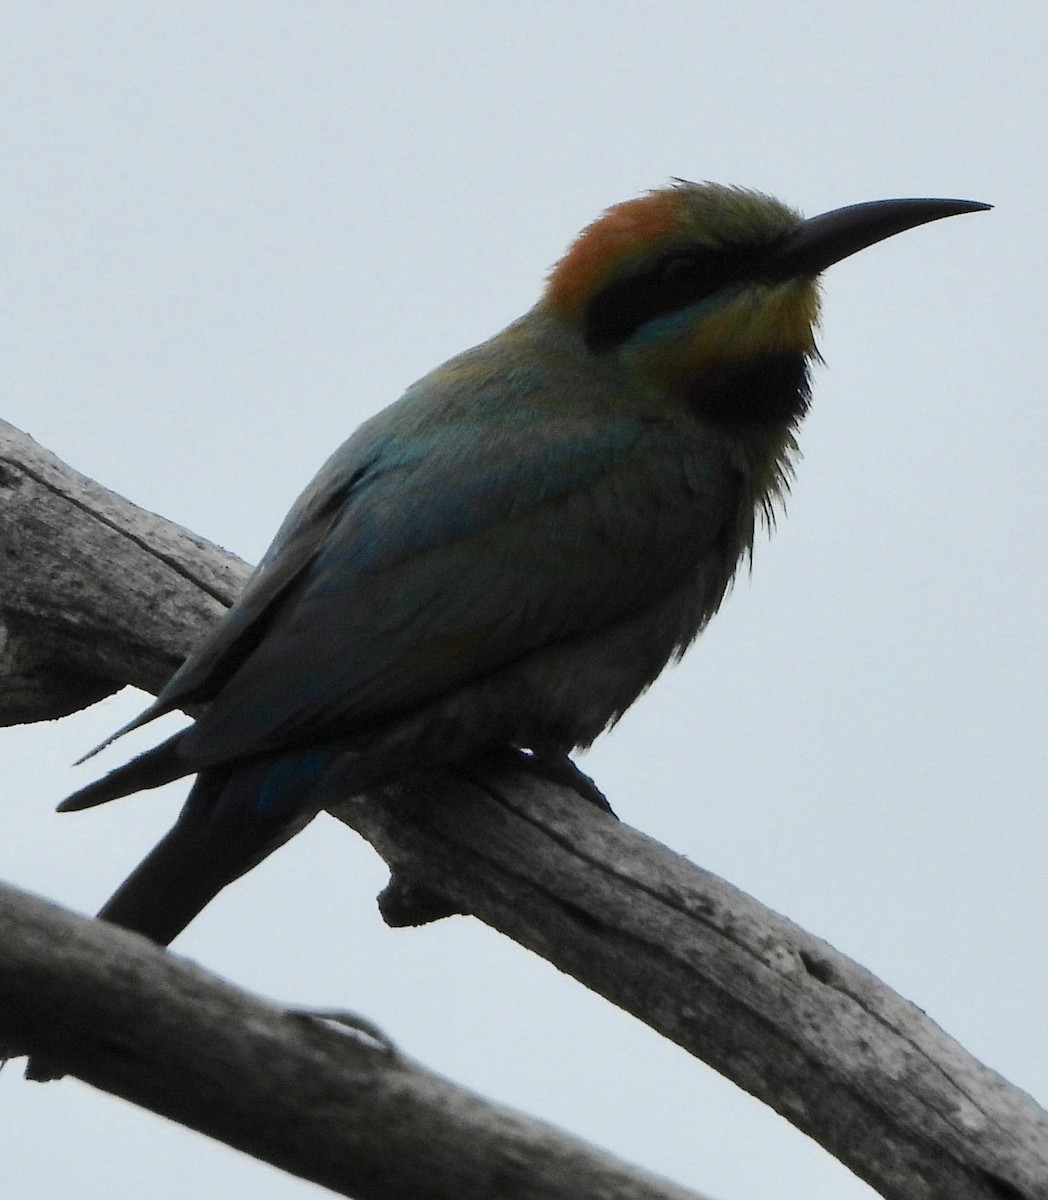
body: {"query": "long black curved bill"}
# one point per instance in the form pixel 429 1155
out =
pixel 824 240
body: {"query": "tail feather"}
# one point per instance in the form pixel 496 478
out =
pixel 187 868
pixel 157 709
pixel 234 817
pixel 152 769
pixel 184 871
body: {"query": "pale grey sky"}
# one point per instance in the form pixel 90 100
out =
pixel 230 232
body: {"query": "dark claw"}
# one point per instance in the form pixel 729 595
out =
pixel 558 768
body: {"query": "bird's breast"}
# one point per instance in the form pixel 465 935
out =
pixel 767 390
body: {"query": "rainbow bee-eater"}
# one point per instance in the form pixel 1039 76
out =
pixel 511 553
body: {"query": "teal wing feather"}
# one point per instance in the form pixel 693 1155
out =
pixel 454 553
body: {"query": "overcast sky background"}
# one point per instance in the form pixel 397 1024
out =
pixel 229 232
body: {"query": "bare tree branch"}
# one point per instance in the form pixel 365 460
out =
pixel 95 593
pixel 332 1107
pixel 782 1014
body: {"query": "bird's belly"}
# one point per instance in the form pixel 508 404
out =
pixel 554 699
pixel 572 691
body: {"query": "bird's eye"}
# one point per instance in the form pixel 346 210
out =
pixel 682 269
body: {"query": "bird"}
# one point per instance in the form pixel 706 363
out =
pixel 508 555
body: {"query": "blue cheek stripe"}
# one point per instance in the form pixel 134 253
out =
pixel 679 321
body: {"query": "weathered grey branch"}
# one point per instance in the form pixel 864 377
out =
pixel 784 1015
pixel 779 1012
pixel 95 593
pixel 327 1105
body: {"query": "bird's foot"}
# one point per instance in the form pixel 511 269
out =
pixel 559 769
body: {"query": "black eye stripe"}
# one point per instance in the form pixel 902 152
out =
pixel 682 278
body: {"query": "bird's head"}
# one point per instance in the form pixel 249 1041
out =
pixel 711 292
